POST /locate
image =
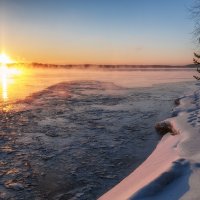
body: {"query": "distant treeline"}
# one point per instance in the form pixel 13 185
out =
pixel 84 66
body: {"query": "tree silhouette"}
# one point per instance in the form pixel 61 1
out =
pixel 196 62
pixel 195 14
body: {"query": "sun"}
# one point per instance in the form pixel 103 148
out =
pixel 5 59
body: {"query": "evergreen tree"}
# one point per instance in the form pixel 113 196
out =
pixel 195 13
pixel 196 62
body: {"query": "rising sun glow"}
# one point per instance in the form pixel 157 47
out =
pixel 5 59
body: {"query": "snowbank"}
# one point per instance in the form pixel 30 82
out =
pixel 172 171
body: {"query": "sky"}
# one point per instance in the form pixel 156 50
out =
pixel 97 31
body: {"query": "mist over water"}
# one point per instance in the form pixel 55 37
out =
pixel 32 80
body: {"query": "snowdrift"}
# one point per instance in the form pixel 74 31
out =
pixel 172 171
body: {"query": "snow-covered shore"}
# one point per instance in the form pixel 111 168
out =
pixel 172 171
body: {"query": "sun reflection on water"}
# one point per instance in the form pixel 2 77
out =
pixel 4 83
pixel 7 77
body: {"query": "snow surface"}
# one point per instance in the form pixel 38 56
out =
pixel 172 171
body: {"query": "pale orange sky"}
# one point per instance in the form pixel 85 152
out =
pixel 135 32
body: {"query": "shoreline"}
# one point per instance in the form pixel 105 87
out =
pixel 170 163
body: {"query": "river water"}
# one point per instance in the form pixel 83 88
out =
pixel 74 134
